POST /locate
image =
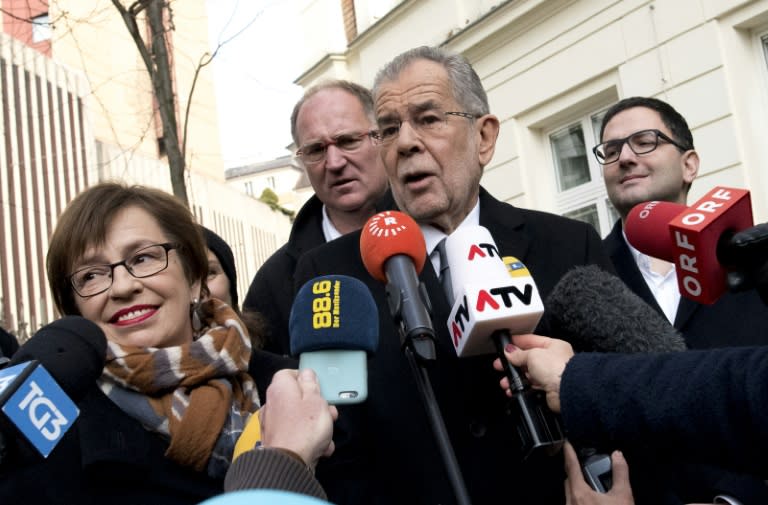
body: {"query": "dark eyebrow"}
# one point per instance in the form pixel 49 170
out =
pixel 98 259
pixel 387 118
pixel 424 106
pixel 412 109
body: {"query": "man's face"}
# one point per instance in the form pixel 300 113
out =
pixel 434 173
pixel 345 181
pixel 661 174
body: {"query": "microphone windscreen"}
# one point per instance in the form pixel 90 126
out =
pixel 647 228
pixel 333 312
pixel 595 311
pixel 388 234
pixel 72 349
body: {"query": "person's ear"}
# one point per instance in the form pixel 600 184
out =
pixel 690 165
pixel 488 132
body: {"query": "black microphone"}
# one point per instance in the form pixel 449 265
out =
pixel 47 376
pixel 393 251
pixel 595 311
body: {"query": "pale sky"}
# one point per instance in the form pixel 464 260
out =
pixel 253 75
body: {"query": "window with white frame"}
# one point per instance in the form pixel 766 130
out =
pixel 581 191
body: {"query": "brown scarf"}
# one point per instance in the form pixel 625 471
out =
pixel 198 394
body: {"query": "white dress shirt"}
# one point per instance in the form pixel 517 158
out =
pixel 664 287
pixel 329 231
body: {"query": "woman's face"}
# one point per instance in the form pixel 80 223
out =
pixel 148 312
pixel 218 282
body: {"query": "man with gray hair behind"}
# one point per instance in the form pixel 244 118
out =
pixel 331 125
pixel 436 135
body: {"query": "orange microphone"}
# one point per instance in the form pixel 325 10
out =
pixel 389 234
pixel 393 251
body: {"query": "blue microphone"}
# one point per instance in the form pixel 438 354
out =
pixel 333 326
pixel 47 376
pixel 253 496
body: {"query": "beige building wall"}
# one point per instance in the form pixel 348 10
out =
pixel 549 63
pixel 85 116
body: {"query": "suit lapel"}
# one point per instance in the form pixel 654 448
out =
pixel 685 311
pixel 507 225
pixel 626 268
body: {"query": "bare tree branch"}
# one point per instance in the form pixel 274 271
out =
pixel 158 67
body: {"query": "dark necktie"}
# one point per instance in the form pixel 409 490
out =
pixel 445 273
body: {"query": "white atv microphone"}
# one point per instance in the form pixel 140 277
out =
pixel 493 301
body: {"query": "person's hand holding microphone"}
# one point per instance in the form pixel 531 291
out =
pixel 543 360
pixel 295 416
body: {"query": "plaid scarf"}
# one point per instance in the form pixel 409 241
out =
pixel 199 394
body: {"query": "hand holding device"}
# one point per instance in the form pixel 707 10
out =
pixel 296 417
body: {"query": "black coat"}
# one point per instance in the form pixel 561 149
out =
pixel 655 404
pixel 385 449
pixel 105 457
pixel 271 291
pixel 735 319
pixel 682 413
pixel 8 344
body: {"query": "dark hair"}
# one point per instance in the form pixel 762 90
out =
pixel 223 253
pixel 85 222
pixel 466 86
pixel 362 94
pixel 672 119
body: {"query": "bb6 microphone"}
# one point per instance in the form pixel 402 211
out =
pixel 695 238
pixel 492 301
pixel 334 325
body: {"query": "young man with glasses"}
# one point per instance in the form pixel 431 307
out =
pixel 332 126
pixel 647 153
pixel 436 135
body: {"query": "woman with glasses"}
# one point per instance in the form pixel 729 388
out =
pixel 175 392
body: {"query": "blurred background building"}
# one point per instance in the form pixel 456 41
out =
pixel 78 108
pixel 552 67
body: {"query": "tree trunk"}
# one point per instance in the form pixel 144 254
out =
pixel 158 66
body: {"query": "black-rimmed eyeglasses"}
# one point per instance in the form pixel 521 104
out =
pixel 642 142
pixel 316 151
pixel 145 262
pixel 424 122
